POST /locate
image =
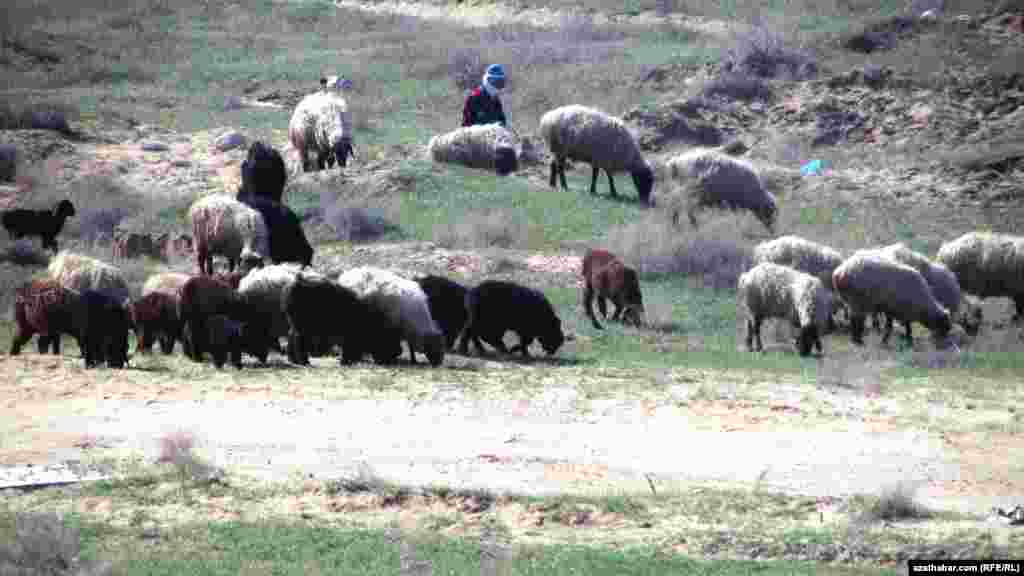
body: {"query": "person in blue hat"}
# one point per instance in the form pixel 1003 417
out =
pixel 483 105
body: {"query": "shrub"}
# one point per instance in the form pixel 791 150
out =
pixel 716 252
pixel 737 86
pixel 483 230
pixel 761 52
pixel 359 223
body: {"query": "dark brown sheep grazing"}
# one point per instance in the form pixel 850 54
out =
pixel 324 314
pixel 104 323
pixel 155 315
pixel 42 306
pixel 201 298
pixel 605 276
pixel 46 224
pixel 447 301
pixel 225 337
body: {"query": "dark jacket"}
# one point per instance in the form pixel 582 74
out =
pixel 482 108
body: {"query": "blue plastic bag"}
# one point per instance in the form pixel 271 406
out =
pixel 811 168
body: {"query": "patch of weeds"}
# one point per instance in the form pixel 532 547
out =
pixel 737 86
pixel 360 222
pixel 764 53
pixel 624 505
pixel 43 545
pixel 177 449
pixel 716 252
pixel 366 481
pixel 566 510
pixel 484 229
pixel 893 503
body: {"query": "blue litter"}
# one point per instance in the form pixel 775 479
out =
pixel 811 168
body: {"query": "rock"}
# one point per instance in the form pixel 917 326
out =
pixel 232 103
pixel 735 148
pixel 229 140
pixel 154 146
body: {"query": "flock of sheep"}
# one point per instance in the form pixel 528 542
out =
pixel 275 293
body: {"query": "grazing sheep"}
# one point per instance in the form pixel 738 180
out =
pixel 287 241
pixel 135 244
pixel 203 297
pixel 405 304
pixel 98 322
pixel 176 246
pixel 46 224
pixel 774 291
pixel 447 301
pixel 322 125
pixel 78 272
pixel 589 135
pixel 988 265
pixel 225 337
pixel 169 283
pixel 105 325
pixel 496 307
pixel 809 257
pixel 263 173
pixel 942 281
pixel 606 277
pixel 322 313
pixel 153 316
pixel 481 146
pixel 264 291
pixel 42 306
pixel 871 284
pixel 225 226
pixel 712 178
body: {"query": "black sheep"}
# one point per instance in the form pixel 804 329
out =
pixel 447 301
pixel 46 224
pixel 324 313
pixel 288 242
pixel 496 307
pixel 105 330
pixel 225 337
pixel 263 173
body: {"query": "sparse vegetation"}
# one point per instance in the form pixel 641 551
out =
pixel 771 74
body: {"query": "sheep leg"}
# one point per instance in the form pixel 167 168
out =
pixel 219 356
pixel 619 307
pixel 496 341
pixel 19 340
pixel 857 322
pixel 412 351
pixel 888 329
pixel 524 345
pixel 611 184
pixel 42 344
pixel 588 305
pixel 167 344
pixel 593 180
pixel 909 336
pixel 554 173
pixel 1018 304
pixel 602 306
pixel 236 355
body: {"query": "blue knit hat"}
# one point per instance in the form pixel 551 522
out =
pixel 495 71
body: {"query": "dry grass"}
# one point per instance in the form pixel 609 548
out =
pixel 494 228
pixel 178 450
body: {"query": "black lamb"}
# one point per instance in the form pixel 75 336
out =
pixel 263 173
pixel 447 301
pixel 46 224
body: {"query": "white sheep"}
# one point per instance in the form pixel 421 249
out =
pixel 807 256
pixel 322 125
pixel 988 265
pixel 406 305
pixel 605 142
pixel 773 291
pixel 943 282
pixel 223 225
pixel 482 146
pixel 871 284
pixel 264 290
pixel 78 272
pixel 712 178
pixel 169 283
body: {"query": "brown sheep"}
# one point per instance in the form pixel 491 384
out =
pixel 42 306
pixel 155 315
pixel 605 276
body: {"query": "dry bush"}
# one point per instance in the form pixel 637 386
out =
pixel 42 545
pixel 737 86
pixel 717 252
pixel 764 53
pixel 498 228
pixel 178 450
pixel 359 222
pixel 894 503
